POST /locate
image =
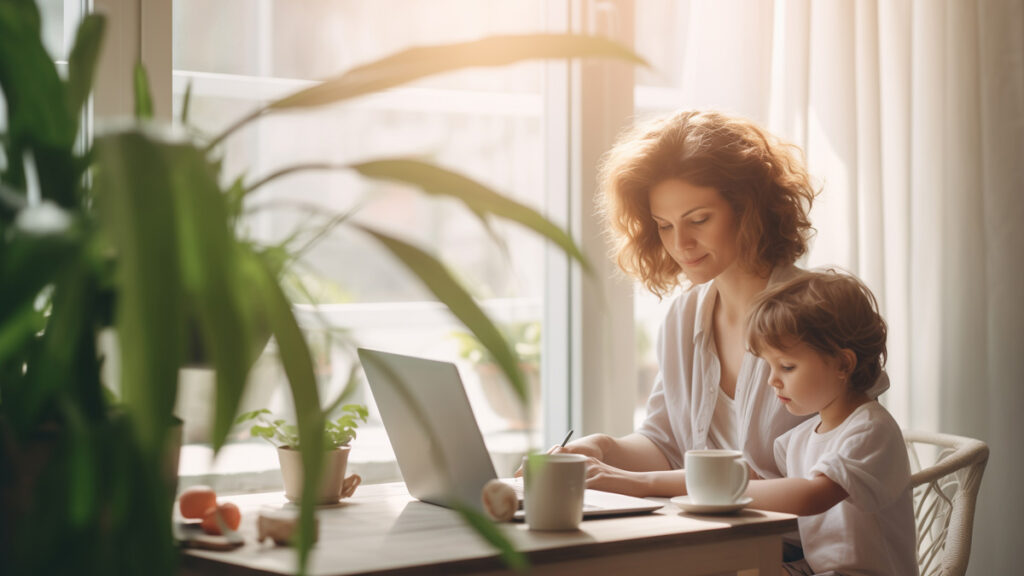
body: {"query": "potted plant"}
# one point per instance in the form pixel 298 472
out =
pixel 525 340
pixel 137 231
pixel 337 433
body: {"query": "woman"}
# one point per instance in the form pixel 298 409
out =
pixel 713 201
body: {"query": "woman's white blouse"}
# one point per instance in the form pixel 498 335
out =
pixel 724 431
pixel 682 402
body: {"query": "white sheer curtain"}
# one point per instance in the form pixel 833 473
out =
pixel 912 117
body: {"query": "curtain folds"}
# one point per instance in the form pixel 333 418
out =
pixel 911 113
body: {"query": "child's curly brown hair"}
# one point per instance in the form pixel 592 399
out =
pixel 827 311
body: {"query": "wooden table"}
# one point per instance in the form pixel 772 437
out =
pixel 382 530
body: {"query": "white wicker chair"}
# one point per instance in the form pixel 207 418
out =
pixel 946 476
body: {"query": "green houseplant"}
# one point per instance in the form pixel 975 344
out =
pixel 338 433
pixel 525 340
pixel 137 232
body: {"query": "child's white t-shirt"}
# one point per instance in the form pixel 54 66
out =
pixel 870 533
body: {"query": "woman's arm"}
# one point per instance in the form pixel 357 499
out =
pixel 630 465
pixel 633 452
pixel 798 496
pixel 664 483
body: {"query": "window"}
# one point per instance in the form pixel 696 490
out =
pixel 534 131
pixel 59 19
pixel 658 91
pixel 486 123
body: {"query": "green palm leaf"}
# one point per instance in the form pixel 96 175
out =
pixel 489 531
pixel 298 366
pixel 210 280
pixel 38 118
pixel 479 198
pixel 29 81
pixel 82 62
pixel 422 61
pixel 444 286
pixel 143 98
pixel 143 230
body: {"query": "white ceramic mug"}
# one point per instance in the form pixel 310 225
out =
pixel 715 476
pixel 553 490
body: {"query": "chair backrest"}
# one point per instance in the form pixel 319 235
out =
pixel 946 476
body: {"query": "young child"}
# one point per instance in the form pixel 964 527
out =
pixel 847 470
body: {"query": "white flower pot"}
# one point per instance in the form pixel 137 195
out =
pixel 331 481
pixel 502 399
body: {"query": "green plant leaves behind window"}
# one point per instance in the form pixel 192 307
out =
pixel 143 99
pixel 443 285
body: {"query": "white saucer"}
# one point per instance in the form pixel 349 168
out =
pixel 688 505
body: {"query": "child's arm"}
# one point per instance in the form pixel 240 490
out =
pixel 798 496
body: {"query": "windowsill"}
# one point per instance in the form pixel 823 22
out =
pixel 243 467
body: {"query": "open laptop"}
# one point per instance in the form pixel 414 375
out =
pixel 449 463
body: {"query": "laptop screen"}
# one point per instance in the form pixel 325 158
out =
pixel 431 426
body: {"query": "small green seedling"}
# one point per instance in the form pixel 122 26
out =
pixel 338 432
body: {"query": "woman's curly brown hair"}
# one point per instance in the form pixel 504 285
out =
pixel 763 179
pixel 827 311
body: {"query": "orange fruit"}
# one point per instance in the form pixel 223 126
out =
pixel 195 501
pixel 227 511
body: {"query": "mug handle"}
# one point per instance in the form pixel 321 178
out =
pixel 746 479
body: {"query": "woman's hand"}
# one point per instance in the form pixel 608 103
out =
pixel 601 476
pixel 589 446
pixel 630 465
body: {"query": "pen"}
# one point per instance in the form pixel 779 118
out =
pixel 566 439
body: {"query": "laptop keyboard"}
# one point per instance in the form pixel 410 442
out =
pixel 517 485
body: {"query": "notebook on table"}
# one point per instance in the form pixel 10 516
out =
pixel 451 464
